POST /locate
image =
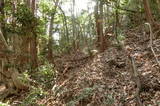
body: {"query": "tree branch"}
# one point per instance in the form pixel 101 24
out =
pixel 3 39
pixel 151 44
pixel 137 81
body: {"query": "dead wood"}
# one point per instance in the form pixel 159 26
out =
pixel 151 44
pixel 13 84
pixel 136 80
pixel 3 40
pixel 135 76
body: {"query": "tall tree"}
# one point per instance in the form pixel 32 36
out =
pixel 50 42
pixel 33 41
pixel 117 20
pixel 2 18
pixel 101 40
pixel 25 46
pixel 65 23
pixel 148 12
pixel 75 42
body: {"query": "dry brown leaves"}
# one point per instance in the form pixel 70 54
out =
pixel 105 80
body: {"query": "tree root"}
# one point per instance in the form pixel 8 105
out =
pixel 13 85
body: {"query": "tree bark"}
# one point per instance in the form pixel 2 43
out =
pixel 33 42
pixel 102 45
pixel 2 19
pixel 65 22
pixel 3 39
pixel 117 24
pixel 101 27
pixel 28 3
pixel 148 12
pixel 97 24
pixel 33 51
pixel 50 42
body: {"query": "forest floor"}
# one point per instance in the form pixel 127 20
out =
pixel 106 79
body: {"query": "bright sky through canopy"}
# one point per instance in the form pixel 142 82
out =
pixel 79 6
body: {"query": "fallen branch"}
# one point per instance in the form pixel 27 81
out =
pixel 3 39
pixel 1 73
pixel 137 81
pixel 151 44
pixel 155 56
pixel 135 75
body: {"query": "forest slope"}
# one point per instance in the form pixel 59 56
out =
pixel 106 80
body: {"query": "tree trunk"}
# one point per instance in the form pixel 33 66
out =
pixel 2 19
pixel 50 42
pixel 148 12
pixel 101 40
pixel 28 3
pixel 117 24
pixel 25 52
pixel 74 44
pixel 24 58
pixel 97 25
pixel 33 51
pixel 65 23
pixel 33 6
pixel 33 42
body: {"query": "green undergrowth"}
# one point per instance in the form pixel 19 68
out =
pixel 33 96
pixel 86 95
pixel 45 75
pixel 4 104
pixel 42 79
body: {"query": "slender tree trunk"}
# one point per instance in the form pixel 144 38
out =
pixel 148 12
pixel 33 6
pixel 50 43
pixel 102 40
pixel 2 19
pixel 2 39
pixel 65 22
pixel 99 26
pixel 117 21
pixel 74 27
pixel 28 3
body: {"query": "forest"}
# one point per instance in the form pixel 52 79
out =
pixel 79 52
